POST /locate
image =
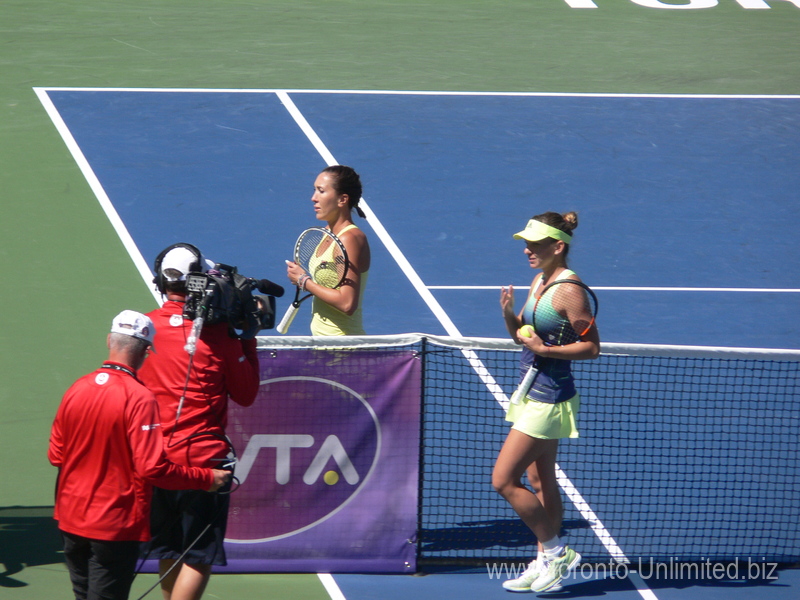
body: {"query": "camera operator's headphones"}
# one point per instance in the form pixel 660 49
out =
pixel 196 265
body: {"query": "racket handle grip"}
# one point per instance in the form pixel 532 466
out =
pixel 524 386
pixel 287 319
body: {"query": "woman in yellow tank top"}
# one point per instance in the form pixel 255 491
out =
pixel 337 191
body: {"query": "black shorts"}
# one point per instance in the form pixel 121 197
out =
pixel 183 518
pixel 100 568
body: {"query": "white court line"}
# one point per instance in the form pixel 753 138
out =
pixel 426 93
pixel 99 192
pixel 645 592
pixel 574 495
pixel 330 585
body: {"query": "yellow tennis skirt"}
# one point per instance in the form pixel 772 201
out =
pixel 546 421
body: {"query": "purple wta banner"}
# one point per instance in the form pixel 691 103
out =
pixel 328 463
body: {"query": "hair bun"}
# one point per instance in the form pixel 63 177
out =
pixel 571 220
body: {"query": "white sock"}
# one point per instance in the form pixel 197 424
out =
pixel 553 548
pixel 539 560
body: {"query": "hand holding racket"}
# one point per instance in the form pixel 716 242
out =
pixel 563 314
pixel 323 258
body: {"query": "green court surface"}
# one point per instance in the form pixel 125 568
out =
pixel 66 271
pixel 52 581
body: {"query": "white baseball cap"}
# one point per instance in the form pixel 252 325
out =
pixel 134 324
pixel 184 261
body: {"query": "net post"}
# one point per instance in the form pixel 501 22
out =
pixel 422 355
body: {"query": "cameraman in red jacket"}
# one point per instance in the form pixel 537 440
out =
pixel 106 441
pixel 192 391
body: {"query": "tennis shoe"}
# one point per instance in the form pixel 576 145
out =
pixel 555 570
pixel 523 582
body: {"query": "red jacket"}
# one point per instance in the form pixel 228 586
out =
pixel 107 443
pixel 222 367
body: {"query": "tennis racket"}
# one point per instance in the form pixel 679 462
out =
pixel 323 257
pixel 562 315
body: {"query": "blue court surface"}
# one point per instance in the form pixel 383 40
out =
pixel 582 584
pixel 688 205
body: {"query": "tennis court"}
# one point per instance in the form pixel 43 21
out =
pixel 660 182
pixel 686 190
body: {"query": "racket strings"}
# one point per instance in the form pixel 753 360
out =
pixel 308 246
pixel 328 273
pixel 322 258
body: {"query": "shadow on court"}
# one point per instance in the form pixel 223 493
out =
pixel 484 534
pixel 28 537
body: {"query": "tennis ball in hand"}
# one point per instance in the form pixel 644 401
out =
pixel 525 331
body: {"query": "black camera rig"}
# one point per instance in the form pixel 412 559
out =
pixel 222 295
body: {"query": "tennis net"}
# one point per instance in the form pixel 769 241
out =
pixel 686 453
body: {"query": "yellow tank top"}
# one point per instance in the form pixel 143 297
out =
pixel 327 320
